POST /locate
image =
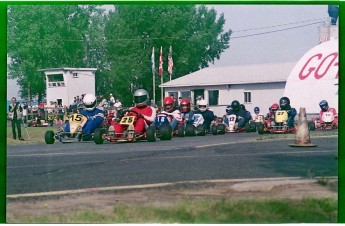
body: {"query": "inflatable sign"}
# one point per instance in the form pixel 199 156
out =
pixel 315 78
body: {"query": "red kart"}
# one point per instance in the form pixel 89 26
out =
pixel 278 125
pixel 328 122
pixel 128 135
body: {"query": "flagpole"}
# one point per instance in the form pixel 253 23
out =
pixel 162 89
pixel 153 74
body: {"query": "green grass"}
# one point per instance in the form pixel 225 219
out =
pixel 206 211
pixel 36 135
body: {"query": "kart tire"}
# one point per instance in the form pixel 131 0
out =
pixel 248 128
pixel 165 132
pixel 311 126
pixel 49 137
pixel 201 130
pixel 260 128
pixel 190 130
pixel 221 129
pixel 253 127
pixel 214 129
pixel 180 131
pixel 98 135
pixel 151 134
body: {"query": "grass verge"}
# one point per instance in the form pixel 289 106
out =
pixel 36 135
pixel 206 211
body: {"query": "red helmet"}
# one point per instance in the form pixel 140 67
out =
pixel 275 107
pixel 168 104
pixel 185 105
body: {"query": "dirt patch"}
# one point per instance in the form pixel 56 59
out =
pixel 166 196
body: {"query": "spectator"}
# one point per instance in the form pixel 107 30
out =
pixel 25 111
pixel 111 100
pixel 153 104
pixel 118 104
pixel 16 115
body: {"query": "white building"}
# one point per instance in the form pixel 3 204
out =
pixel 252 85
pixel 63 84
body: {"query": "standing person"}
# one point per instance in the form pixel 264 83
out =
pixel 153 104
pixel 111 100
pixel 15 116
pixel 118 104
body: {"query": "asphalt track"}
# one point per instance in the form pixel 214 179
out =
pixel 39 168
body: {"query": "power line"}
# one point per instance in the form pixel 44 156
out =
pixel 269 32
pixel 164 38
pixel 279 25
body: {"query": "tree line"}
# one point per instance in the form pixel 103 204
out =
pixel 117 42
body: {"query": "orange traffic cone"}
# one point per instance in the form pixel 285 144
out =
pixel 302 134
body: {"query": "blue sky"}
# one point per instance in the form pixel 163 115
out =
pixel 262 34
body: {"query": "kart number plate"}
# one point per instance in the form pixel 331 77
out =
pixel 127 120
pixel 51 117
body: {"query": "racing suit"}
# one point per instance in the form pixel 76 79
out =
pixel 147 115
pixel 94 119
pixel 291 115
pixel 242 117
pixel 208 116
pixel 174 117
pixel 334 112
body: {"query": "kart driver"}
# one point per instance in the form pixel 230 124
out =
pixel 241 115
pixel 272 110
pixel 172 110
pixel 325 108
pixel 248 112
pixel 256 113
pixel 284 104
pixel 186 113
pixel 147 114
pixel 207 114
pixel 95 117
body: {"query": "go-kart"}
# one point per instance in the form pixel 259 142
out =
pixel 277 125
pixel 196 128
pixel 232 126
pixel 161 127
pixel 251 126
pixel 127 121
pixel 218 126
pixel 328 122
pixel 76 123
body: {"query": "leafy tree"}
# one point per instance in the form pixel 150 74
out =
pixel 195 34
pixel 45 36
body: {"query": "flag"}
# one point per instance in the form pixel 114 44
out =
pixel 160 68
pixel 153 60
pixel 170 62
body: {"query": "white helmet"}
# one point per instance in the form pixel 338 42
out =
pixel 141 97
pixel 90 101
pixel 202 105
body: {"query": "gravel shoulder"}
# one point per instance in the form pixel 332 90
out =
pixel 168 195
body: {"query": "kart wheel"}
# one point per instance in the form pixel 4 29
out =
pixel 253 127
pixel 180 131
pixel 98 135
pixel 165 132
pixel 221 129
pixel 214 129
pixel 151 134
pixel 201 130
pixel 260 128
pixel 190 130
pixel 311 126
pixel 247 127
pixel 49 137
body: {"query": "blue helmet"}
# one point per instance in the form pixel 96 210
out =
pixel 323 105
pixel 256 110
pixel 228 109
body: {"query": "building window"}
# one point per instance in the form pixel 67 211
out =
pixel 75 75
pixel 247 97
pixel 173 94
pixel 185 94
pixel 213 96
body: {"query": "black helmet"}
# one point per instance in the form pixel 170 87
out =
pixel 228 109
pixel 235 106
pixel 284 103
pixel 323 105
pixel 243 107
